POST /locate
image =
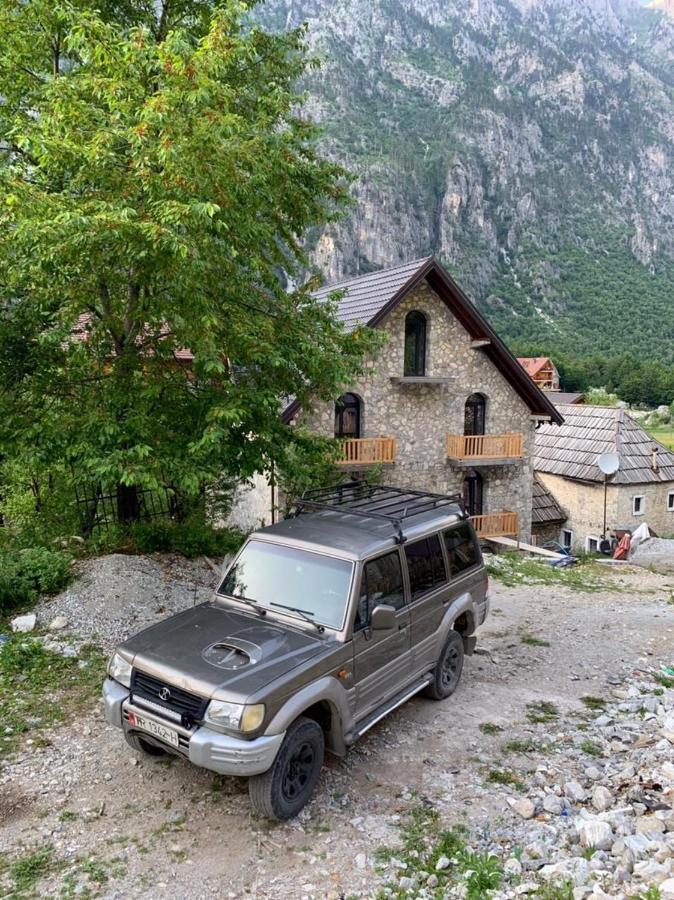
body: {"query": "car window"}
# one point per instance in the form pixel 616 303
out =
pixel 425 564
pixel 382 582
pixel 274 576
pixel 462 549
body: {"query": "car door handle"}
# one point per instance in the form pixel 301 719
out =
pixel 402 627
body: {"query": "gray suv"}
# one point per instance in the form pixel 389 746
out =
pixel 321 626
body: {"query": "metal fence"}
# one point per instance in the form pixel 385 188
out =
pixel 98 506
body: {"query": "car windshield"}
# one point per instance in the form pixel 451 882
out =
pixel 273 575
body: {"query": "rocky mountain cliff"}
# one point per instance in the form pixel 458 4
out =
pixel 528 143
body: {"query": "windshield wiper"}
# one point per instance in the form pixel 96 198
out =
pixel 255 605
pixel 301 613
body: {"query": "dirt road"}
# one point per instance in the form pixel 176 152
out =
pixel 115 825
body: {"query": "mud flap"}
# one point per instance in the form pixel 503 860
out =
pixel 469 644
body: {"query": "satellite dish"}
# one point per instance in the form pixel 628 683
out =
pixel 609 463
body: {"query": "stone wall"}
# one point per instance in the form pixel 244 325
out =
pixel 654 505
pixel 421 415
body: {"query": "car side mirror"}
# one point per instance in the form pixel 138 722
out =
pixel 383 618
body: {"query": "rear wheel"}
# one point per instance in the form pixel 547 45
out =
pixel 447 671
pixel 282 791
pixel 142 746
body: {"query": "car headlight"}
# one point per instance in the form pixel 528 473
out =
pixel 235 715
pixel 120 669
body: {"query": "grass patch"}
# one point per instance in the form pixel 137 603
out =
pixel 40 688
pixel 528 745
pixel 561 891
pixel 490 728
pixel 28 869
pixel 591 748
pixel 533 641
pixel 505 778
pixel 542 711
pixel 511 569
pixel 424 843
pixel 593 703
pixel 665 681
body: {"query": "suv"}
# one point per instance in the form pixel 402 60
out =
pixel 321 626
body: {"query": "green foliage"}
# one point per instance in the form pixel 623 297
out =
pixel 592 748
pixel 505 778
pixel 550 891
pixel 307 463
pixel 490 728
pixel 158 179
pixel 652 893
pixel 39 688
pixel 542 712
pixel 25 574
pixel 28 869
pixel 482 873
pixel 600 397
pixel 188 538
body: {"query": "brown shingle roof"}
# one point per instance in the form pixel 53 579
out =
pixel 366 295
pixel 532 365
pixel 544 507
pixel 369 298
pixel 572 449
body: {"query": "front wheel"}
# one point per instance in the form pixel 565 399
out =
pixel 447 671
pixel 282 791
pixel 144 747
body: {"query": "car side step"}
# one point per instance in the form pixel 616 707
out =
pixel 386 708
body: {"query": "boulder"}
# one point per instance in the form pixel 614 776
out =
pixel 58 623
pixel 595 833
pixel 23 624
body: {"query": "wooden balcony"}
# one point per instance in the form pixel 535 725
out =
pixel 485 449
pixel 368 451
pixel 496 524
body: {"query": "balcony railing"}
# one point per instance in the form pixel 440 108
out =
pixel 484 446
pixel 496 524
pixel 368 451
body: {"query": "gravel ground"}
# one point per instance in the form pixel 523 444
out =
pixel 121 826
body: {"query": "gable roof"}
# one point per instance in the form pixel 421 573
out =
pixel 532 365
pixel 565 398
pixel 370 298
pixel 572 449
pixel 544 508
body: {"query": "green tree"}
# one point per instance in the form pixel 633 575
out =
pixel 158 180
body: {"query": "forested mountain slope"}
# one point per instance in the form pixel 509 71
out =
pixel 528 143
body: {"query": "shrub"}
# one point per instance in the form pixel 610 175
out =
pixel 188 538
pixel 25 574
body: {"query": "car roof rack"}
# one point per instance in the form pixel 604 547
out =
pixel 376 501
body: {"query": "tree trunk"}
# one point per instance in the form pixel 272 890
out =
pixel 128 504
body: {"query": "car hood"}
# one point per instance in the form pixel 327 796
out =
pixel 218 652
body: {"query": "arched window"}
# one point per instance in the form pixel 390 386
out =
pixel 415 344
pixel 347 416
pixel 473 493
pixel 474 417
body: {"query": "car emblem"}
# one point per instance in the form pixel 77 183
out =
pixel 164 693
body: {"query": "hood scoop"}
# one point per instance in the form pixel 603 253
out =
pixel 232 653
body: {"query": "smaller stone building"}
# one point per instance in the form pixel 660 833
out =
pixel 642 490
pixel 547 516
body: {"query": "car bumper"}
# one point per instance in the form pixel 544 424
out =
pixel 203 746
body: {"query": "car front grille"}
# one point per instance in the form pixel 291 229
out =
pixel 188 707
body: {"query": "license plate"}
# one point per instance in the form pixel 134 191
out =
pixel 163 732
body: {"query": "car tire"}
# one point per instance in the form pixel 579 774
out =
pixel 144 747
pixel 282 791
pixel 447 672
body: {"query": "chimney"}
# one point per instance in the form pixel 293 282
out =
pixel 654 459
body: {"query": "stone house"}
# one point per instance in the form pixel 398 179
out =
pixel 642 490
pixel 445 407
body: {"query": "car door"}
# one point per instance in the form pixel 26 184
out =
pixel 428 580
pixel 382 663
